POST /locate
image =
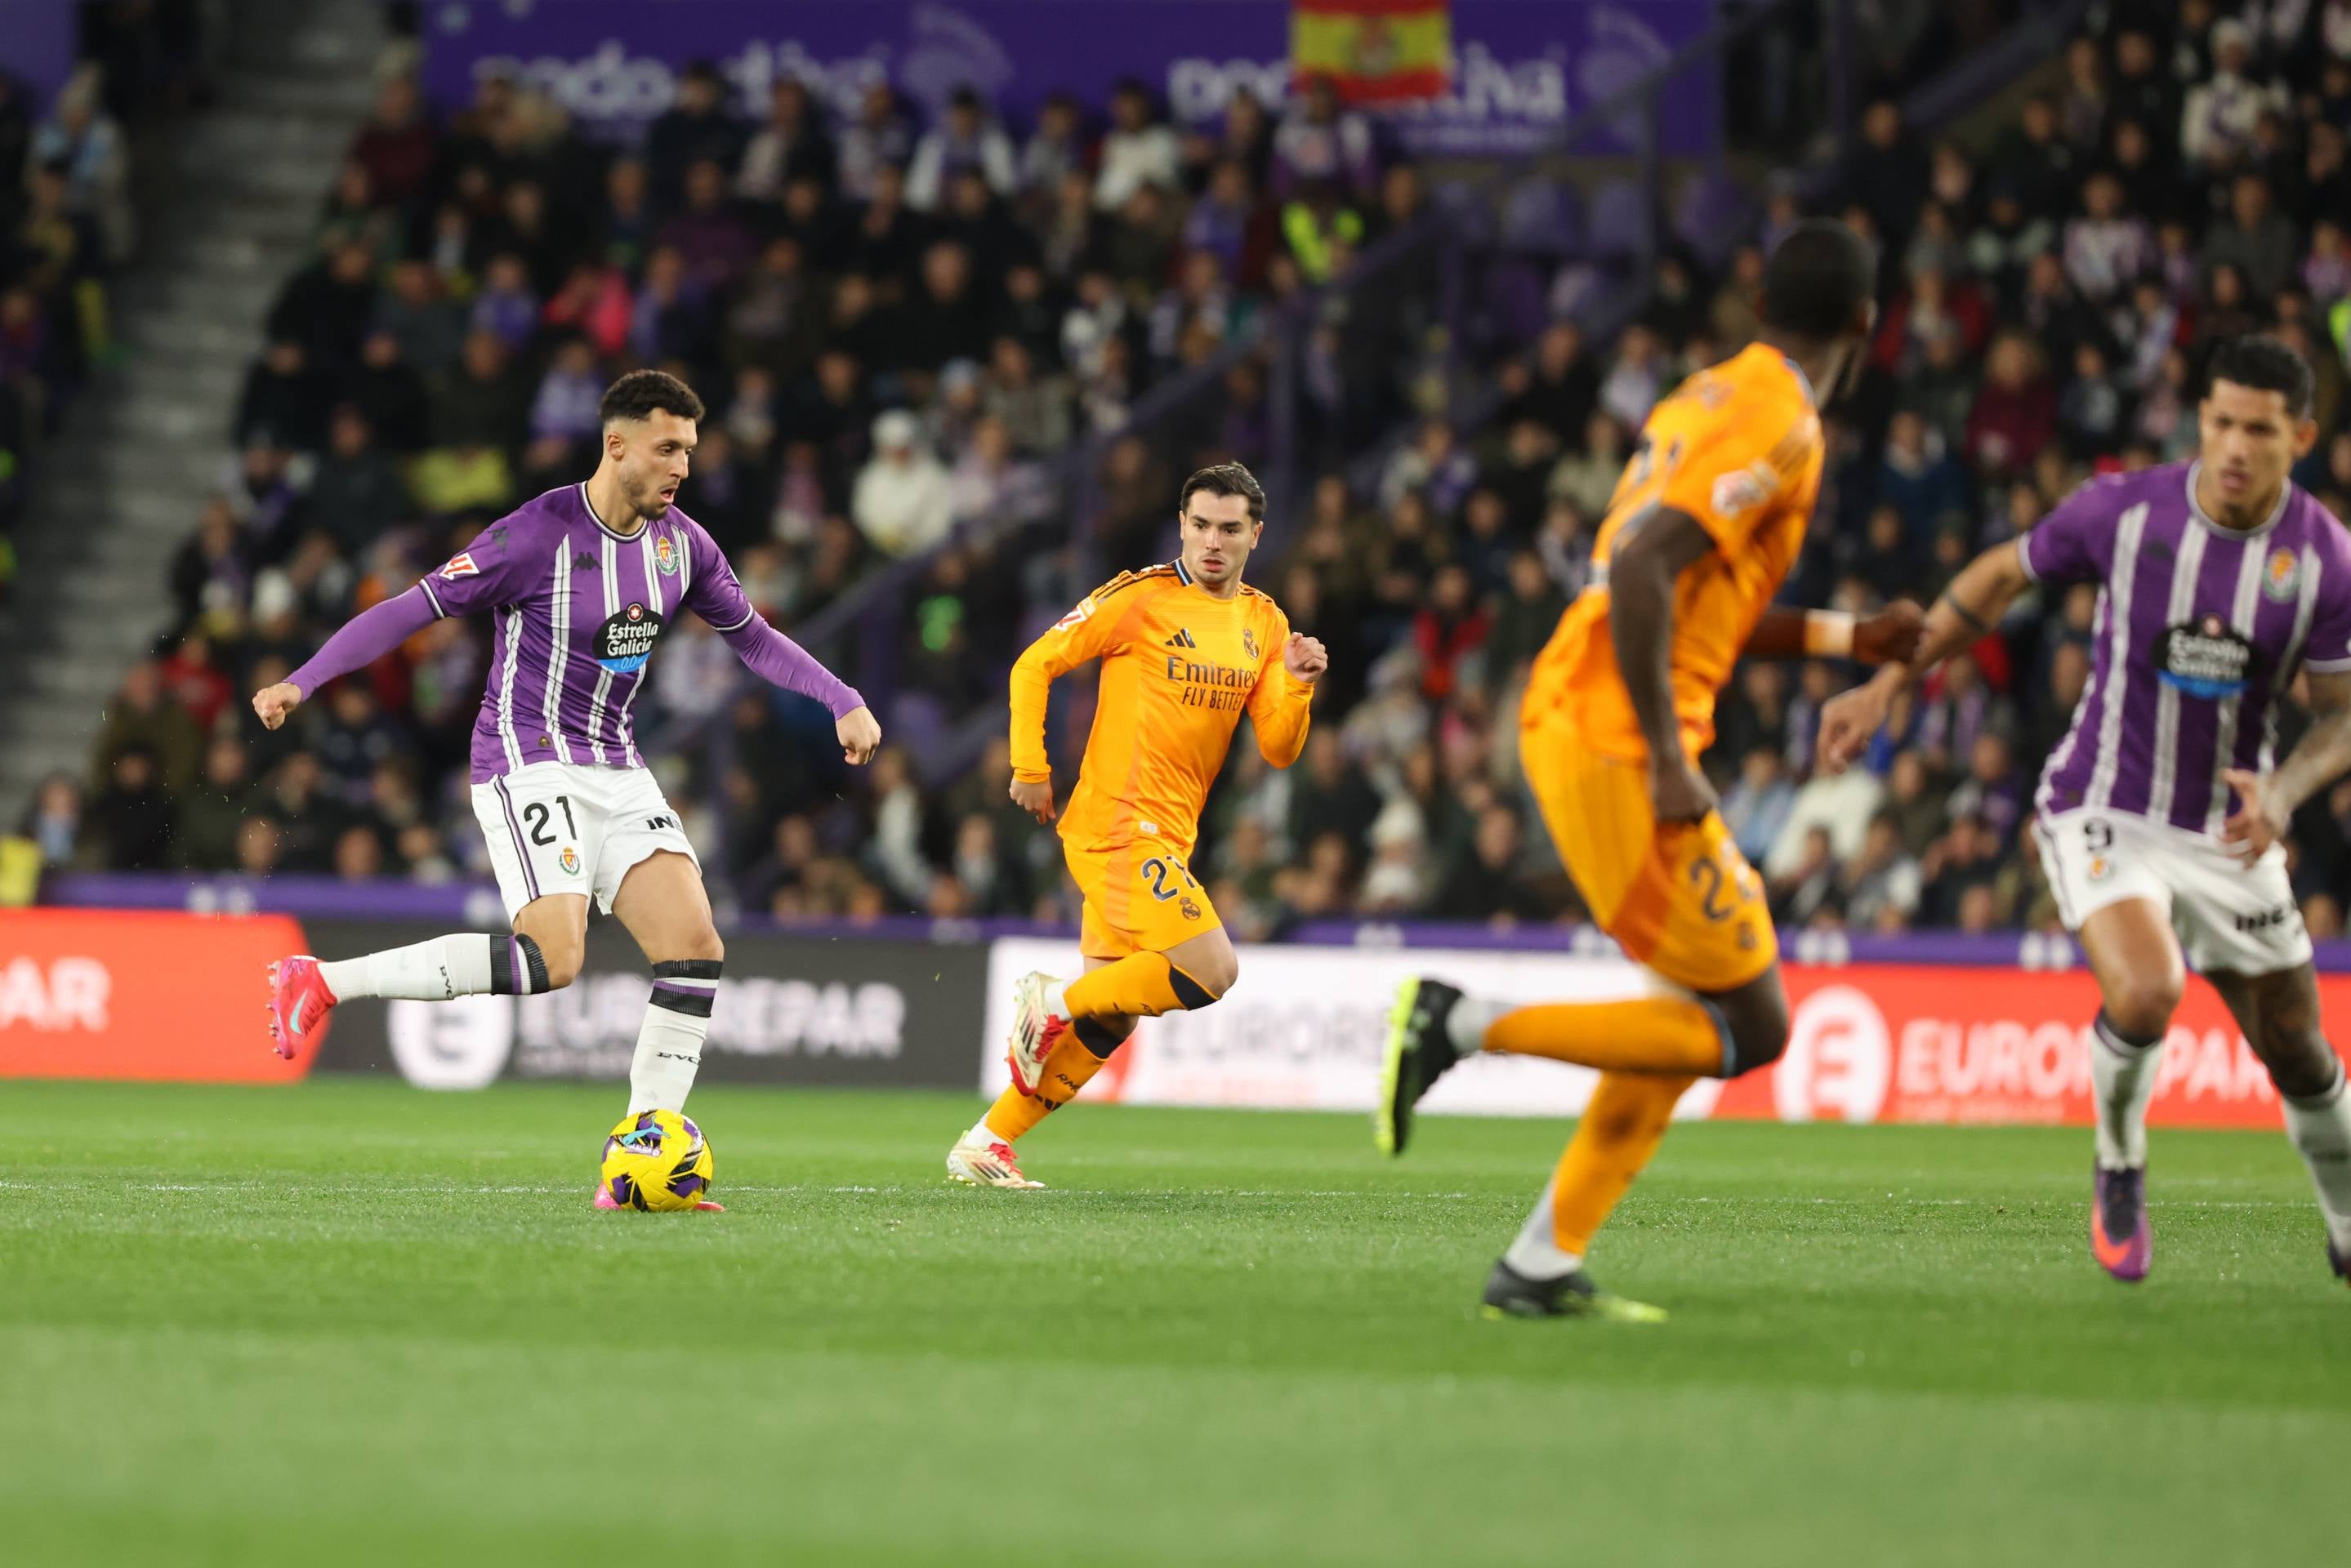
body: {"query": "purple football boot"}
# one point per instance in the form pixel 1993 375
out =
pixel 2120 1237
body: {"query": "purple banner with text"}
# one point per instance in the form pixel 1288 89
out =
pixel 1523 67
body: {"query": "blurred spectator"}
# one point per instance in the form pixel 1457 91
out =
pixel 54 822
pixel 2218 118
pixel 791 144
pixel 130 820
pixel 146 718
pixel 358 492
pixel 904 504
pixel 965 139
pixel 879 138
pixel 1136 150
pixel 1757 808
pixel 82 141
pixel 212 814
pixel 397 146
pixel 2254 238
pixel 284 400
pixel 1882 885
pixel 696 129
pixel 1321 139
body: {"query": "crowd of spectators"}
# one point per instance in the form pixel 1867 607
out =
pixel 905 325
pixel 2051 289
pixel 66 226
pixel 899 327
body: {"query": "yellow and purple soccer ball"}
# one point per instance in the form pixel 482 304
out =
pixel 657 1160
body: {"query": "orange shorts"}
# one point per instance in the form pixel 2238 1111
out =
pixel 1679 899
pixel 1140 897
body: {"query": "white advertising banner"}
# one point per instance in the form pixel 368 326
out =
pixel 1303 1028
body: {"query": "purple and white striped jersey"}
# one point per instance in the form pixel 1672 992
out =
pixel 576 609
pixel 2198 627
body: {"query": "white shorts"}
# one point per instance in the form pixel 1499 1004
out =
pixel 557 828
pixel 2229 915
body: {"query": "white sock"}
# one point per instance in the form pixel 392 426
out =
pixel 436 970
pixel 1536 1255
pixel 2321 1129
pixel 2122 1080
pixel 1467 1023
pixel 982 1133
pixel 669 1042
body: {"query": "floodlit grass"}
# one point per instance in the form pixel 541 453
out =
pixel 349 1323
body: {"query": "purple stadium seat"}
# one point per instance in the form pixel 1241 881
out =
pixel 1538 219
pixel 916 722
pixel 1620 223
pixel 1468 217
pixel 1708 215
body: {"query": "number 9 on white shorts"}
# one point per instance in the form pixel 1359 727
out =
pixel 558 827
pixel 2230 917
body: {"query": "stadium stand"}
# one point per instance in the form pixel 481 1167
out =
pixel 918 339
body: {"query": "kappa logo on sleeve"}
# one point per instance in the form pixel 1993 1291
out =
pixel 461 565
pixel 1084 612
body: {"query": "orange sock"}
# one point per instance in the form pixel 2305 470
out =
pixel 1620 1131
pixel 1073 1065
pixel 1143 984
pixel 1644 1034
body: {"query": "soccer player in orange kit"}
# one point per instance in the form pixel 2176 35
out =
pixel 1703 527
pixel 1186 648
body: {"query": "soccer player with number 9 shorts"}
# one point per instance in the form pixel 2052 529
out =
pixel 2161 816
pixel 1185 650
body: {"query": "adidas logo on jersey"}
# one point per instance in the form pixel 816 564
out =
pixel 1182 639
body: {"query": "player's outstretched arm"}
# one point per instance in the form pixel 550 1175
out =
pixel 364 638
pixel 717 596
pixel 1968 610
pixel 1281 704
pixel 1088 632
pixel 1650 555
pixel 1888 636
pixel 2266 806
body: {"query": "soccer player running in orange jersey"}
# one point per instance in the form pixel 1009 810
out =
pixel 1703 526
pixel 1186 648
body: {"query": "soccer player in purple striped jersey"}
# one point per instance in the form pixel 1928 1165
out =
pixel 579 584
pixel 2160 816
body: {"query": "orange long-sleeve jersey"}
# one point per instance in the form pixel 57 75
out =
pixel 1737 447
pixel 1178 667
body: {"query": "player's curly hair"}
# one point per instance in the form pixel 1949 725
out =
pixel 1225 479
pixel 2266 365
pixel 640 394
pixel 1817 281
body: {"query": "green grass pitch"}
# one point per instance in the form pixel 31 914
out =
pixel 349 1323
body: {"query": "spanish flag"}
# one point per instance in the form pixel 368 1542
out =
pixel 1377 51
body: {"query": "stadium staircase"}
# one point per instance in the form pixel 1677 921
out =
pixel 231 195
